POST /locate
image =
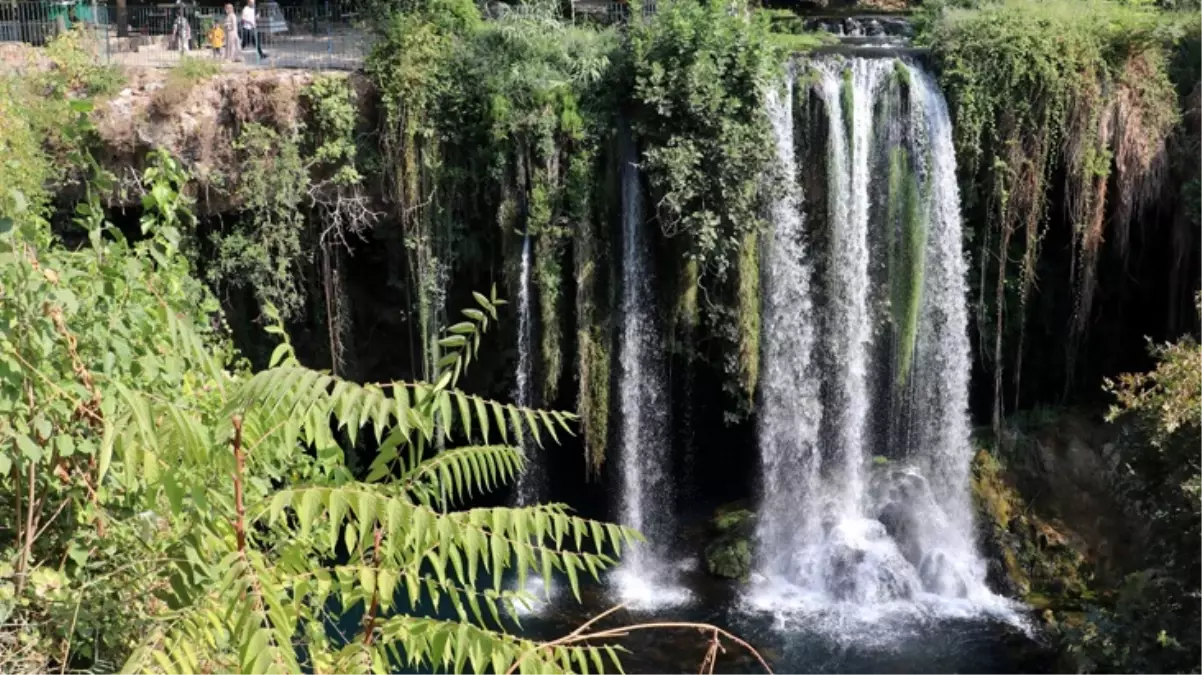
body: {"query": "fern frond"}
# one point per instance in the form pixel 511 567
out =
pixel 264 621
pixel 526 539
pixel 186 342
pixel 193 640
pixel 392 585
pixel 461 341
pixel 425 643
pixel 292 394
pixel 454 475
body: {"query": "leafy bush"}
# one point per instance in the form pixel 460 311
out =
pixel 82 328
pixel 699 76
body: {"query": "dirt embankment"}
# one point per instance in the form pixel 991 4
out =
pixel 196 120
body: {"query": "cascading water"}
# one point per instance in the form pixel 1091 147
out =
pixel 790 409
pixel 530 481
pixel 646 502
pixel 854 519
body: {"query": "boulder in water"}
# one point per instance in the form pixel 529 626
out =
pixel 728 554
pixel 729 557
pixel 940 576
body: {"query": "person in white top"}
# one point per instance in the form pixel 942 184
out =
pixel 250 34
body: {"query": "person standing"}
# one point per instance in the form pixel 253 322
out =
pixel 182 33
pixel 250 33
pixel 232 44
pixel 216 39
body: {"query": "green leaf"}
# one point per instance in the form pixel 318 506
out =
pixel 278 354
pixel 465 415
pixel 29 450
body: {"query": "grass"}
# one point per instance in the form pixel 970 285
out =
pixel 180 80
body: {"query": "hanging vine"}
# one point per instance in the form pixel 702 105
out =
pixel 1036 87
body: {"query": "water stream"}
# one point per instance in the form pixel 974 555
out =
pixel 646 501
pixel 531 481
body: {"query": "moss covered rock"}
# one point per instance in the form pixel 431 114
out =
pixel 728 553
pixel 1032 558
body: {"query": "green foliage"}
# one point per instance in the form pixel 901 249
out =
pixel 120 408
pixel 44 127
pixel 749 317
pixel 81 326
pixel 256 582
pixel 728 553
pixel 194 69
pixel 699 77
pixel 592 326
pixel 906 257
pixel 1170 396
pixel 76 68
pixel 539 82
pixel 266 250
pixel 1146 617
pixel 26 170
pixel 331 127
pixel 699 74
pixel 786 31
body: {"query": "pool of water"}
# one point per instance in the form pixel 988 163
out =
pixel 909 639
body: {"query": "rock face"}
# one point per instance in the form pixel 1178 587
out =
pixel 1048 519
pixel 728 553
pixel 198 121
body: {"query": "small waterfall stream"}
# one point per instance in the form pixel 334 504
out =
pixel 646 499
pixel 530 483
pixel 863 424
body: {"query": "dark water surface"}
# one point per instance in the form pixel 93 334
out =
pixel 801 644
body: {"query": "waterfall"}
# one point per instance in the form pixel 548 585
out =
pixel 530 482
pixel 646 498
pixel 863 424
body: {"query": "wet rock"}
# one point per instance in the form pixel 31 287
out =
pixel 729 557
pixel 728 553
pixel 902 525
pixel 940 576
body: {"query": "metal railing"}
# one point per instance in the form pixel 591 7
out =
pixel 317 36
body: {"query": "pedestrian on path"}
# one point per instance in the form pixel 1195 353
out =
pixel 182 33
pixel 250 33
pixel 232 44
